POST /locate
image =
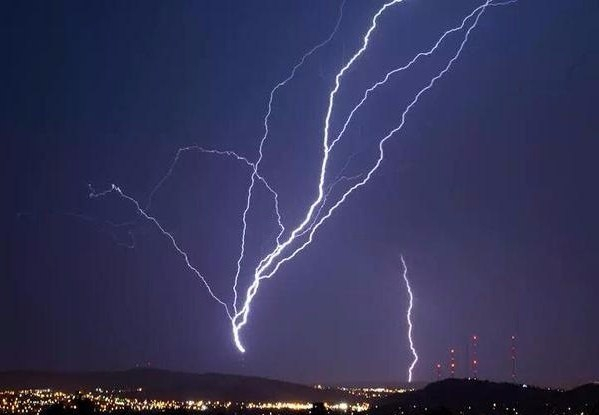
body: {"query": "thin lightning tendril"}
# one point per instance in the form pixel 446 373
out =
pixel 317 213
pixel 142 212
pixel 409 318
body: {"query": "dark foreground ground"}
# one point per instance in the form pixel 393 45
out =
pixel 460 396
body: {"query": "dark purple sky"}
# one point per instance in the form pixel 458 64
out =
pixel 490 191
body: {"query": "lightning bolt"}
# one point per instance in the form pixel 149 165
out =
pixel 271 263
pixel 261 152
pixel 409 318
pixel 323 205
pixel 241 316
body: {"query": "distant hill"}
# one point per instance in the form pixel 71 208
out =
pixel 165 384
pixel 454 396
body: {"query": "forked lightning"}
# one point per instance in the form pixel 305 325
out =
pixel 287 244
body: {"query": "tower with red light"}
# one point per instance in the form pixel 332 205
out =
pixel 474 359
pixel 513 358
pixel 452 363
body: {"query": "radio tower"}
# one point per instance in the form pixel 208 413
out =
pixel 513 357
pixel 452 363
pixel 474 361
pixel 438 369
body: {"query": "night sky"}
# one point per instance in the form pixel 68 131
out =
pixel 490 191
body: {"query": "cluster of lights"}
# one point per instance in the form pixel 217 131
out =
pixel 33 401
pixel 370 393
pixel 293 406
pixel 303 406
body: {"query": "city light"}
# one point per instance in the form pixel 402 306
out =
pixel 33 401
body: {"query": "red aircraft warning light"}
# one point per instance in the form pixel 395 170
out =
pixel 474 362
pixel 452 363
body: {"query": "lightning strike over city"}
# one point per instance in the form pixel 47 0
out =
pixel 272 207
pixel 409 319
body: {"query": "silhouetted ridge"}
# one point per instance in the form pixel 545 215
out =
pixel 454 396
